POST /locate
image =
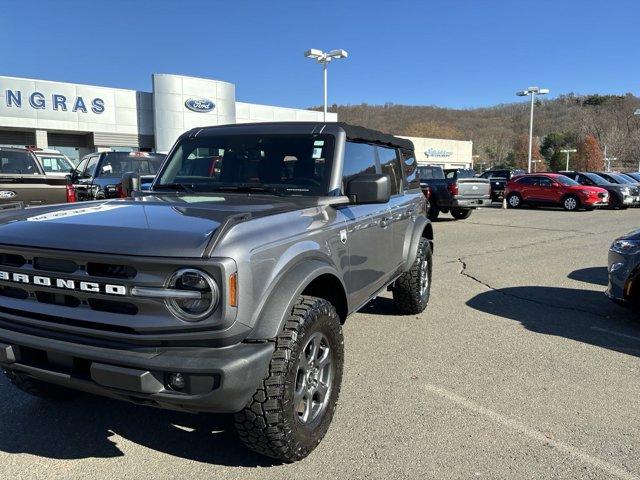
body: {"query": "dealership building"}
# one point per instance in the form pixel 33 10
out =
pixel 80 119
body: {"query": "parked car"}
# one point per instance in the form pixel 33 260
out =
pixel 634 175
pixel 554 190
pixel 98 175
pixel 499 179
pixel 23 180
pixel 53 162
pixel 623 180
pixel 624 270
pixel 620 196
pixel 220 290
pixel 455 191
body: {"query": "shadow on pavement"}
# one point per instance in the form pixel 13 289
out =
pixel 581 315
pixel 85 427
pixel 594 275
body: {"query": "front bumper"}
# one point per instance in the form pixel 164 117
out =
pixel 620 270
pixel 216 379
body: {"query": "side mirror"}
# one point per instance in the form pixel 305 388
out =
pixel 130 184
pixel 369 188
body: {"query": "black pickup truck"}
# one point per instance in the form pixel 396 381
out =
pixel 24 181
pixel 499 179
pixel 99 175
pixel 454 190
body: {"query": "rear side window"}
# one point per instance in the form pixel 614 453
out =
pixel 410 169
pixel 17 163
pixel 358 158
pixel 527 181
pixel 390 165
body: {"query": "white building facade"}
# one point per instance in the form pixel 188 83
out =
pixel 79 119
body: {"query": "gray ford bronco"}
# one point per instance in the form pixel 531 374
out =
pixel 223 288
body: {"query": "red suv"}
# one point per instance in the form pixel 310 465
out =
pixel 553 189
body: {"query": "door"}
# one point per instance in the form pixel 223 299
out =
pixel 550 190
pixel 529 188
pixel 401 206
pixel 368 231
pixel 22 180
pixel 84 182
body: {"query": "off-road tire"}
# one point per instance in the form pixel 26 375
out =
pixel 408 296
pixel 433 211
pixel 512 203
pixel 268 424
pixel 37 388
pixel 461 213
pixel 566 203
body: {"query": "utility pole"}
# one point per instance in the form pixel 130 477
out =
pixel 568 151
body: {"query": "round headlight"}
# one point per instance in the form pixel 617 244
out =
pixel 197 307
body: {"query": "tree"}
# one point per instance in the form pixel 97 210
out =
pixel 551 146
pixel 521 153
pixel 433 130
pixel 589 156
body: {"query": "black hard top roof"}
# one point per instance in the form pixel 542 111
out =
pixel 353 132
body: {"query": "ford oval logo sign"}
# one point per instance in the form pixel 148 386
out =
pixel 200 105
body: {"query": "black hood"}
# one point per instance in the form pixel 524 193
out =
pixel 164 225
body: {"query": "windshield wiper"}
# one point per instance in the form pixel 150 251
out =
pixel 240 187
pixel 187 187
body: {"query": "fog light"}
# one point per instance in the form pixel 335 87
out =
pixel 176 381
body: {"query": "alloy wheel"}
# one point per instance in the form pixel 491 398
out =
pixel 314 379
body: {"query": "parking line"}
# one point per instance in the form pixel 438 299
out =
pixel 623 335
pixel 532 433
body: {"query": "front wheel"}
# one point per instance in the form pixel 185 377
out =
pixel 291 410
pixel 412 289
pixel 460 213
pixel 571 203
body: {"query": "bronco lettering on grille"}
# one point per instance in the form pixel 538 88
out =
pixel 63 283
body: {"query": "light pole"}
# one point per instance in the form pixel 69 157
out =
pixel 531 91
pixel 568 151
pixel 324 58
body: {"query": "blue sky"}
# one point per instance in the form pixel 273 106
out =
pixel 451 53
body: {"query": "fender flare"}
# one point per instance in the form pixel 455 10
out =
pixel 418 229
pixel 284 295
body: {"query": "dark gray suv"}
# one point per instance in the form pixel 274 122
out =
pixel 225 286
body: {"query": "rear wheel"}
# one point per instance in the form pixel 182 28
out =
pixel 460 213
pixel 291 410
pixel 570 203
pixel 37 388
pixel 433 212
pixel 412 289
pixel 514 200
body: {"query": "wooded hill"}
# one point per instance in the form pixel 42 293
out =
pixel 500 133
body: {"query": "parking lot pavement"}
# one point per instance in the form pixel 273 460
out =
pixel 519 368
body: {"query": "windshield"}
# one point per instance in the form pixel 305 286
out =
pixel 116 164
pixel 54 163
pixel 597 179
pixel 285 164
pixel 566 180
pixel 622 178
pixel 429 172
